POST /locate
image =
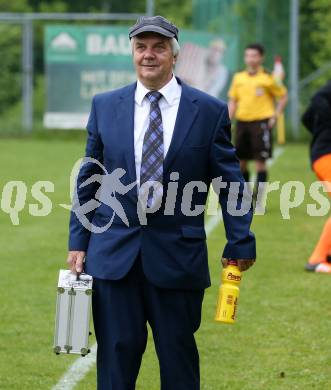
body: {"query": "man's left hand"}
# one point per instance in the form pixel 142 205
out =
pixel 243 264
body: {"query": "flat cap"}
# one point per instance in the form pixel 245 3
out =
pixel 157 24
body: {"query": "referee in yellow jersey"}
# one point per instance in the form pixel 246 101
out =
pixel 252 103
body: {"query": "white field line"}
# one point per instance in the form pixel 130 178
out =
pixel 77 371
pixel 82 365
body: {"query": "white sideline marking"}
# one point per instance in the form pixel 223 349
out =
pixel 77 371
pixel 278 151
pixel 82 365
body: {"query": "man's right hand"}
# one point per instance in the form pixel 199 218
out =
pixel 75 261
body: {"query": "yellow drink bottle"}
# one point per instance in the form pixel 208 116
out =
pixel 228 293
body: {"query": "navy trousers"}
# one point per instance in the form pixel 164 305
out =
pixel 121 310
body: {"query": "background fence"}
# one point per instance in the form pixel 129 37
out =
pixel 236 22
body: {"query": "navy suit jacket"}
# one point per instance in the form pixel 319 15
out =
pixel 173 247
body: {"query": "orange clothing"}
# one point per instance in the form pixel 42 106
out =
pixel 323 247
pixel 322 168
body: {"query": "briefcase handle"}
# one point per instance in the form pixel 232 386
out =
pixel 80 276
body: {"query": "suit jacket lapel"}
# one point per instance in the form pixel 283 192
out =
pixel 187 112
pixel 125 121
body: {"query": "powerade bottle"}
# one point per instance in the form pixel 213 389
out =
pixel 228 293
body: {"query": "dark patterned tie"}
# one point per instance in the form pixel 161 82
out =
pixel 152 153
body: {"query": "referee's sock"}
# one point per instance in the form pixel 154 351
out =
pixel 261 178
pixel 246 176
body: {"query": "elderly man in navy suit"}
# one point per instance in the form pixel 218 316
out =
pixel 150 262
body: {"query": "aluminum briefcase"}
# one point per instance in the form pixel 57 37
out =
pixel 73 312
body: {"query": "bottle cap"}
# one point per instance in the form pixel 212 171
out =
pixel 232 262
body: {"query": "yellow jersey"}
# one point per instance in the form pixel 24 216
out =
pixel 255 95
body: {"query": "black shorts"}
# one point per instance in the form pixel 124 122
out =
pixel 254 140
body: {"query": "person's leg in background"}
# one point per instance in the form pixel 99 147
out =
pixel 244 169
pixel 261 175
pixel 261 136
pixel 260 183
pixel 243 147
pixel 320 259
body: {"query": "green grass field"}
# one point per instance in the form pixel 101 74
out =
pixel 282 336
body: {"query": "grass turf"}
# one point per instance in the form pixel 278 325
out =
pixel 281 338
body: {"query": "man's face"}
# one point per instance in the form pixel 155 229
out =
pixel 253 58
pixel 153 58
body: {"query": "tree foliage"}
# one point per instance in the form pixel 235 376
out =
pixel 10 65
pixel 251 20
pixel 315 42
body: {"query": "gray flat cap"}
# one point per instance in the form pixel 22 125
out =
pixel 157 24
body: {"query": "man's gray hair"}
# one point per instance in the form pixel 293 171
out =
pixel 174 45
